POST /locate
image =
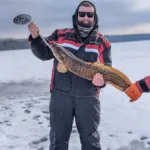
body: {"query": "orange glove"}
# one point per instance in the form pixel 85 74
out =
pixel 134 92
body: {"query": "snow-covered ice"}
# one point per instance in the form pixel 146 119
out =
pixel 24 102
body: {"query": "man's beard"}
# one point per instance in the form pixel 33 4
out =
pixel 86 25
pixel 84 28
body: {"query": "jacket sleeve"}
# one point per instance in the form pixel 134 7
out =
pixel 107 56
pixel 144 84
pixel 39 49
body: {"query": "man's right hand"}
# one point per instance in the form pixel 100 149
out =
pixel 33 29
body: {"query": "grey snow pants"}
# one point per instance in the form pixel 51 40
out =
pixel 63 110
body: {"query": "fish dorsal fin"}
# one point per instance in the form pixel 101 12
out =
pixel 113 70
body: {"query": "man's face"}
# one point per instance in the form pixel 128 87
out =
pixel 86 16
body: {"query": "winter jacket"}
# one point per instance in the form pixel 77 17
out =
pixel 95 48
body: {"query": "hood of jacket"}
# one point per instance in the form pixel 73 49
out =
pixel 75 16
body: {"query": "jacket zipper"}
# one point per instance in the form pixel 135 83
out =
pixel 79 48
pixel 87 39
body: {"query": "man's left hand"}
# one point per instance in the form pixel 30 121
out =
pixel 98 80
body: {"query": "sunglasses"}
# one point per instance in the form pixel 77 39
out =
pixel 89 14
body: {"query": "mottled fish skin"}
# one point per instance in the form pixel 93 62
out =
pixel 87 70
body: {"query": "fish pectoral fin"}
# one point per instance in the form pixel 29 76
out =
pixel 61 67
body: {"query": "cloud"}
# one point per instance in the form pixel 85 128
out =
pixel 139 5
pixel 51 14
pixel 144 28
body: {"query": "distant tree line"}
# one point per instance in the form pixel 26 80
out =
pixel 17 44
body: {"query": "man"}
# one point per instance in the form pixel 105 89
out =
pixel 72 96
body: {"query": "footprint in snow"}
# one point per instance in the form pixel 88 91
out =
pixel 44 139
pixel 9 124
pixel 144 137
pixel 6 121
pixel 36 117
pixel 45 112
pixel 40 122
pixel 11 147
pixel 41 148
pixel 148 142
pixel 27 111
pixel 129 132
pixel 111 135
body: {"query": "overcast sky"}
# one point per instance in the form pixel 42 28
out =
pixel 115 16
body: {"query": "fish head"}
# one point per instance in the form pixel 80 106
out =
pixel 58 51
